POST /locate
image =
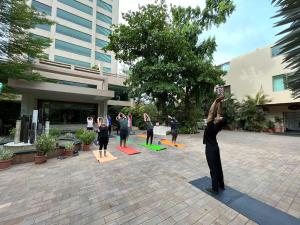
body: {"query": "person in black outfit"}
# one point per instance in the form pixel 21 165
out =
pixel 103 136
pixel 174 129
pixel 215 123
pixel 149 125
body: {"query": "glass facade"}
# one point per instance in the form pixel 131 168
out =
pixel 79 6
pixel 42 8
pixel 225 67
pixel 121 93
pixel 100 43
pixel 279 83
pixel 103 57
pixel 76 84
pixel 66 112
pixel 102 30
pixel 275 51
pixel 76 49
pixel 104 5
pixel 106 70
pixel 104 18
pixel 71 61
pixel 73 33
pixel 46 27
pixel 74 18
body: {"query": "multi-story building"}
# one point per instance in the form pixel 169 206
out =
pixel 264 70
pixel 79 34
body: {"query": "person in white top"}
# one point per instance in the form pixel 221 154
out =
pixel 90 123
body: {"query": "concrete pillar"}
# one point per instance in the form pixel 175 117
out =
pixel 28 104
pixel 47 127
pixel 102 108
pixel 18 132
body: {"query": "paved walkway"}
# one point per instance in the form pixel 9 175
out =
pixel 153 187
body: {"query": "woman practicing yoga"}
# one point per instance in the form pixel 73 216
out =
pixel 149 125
pixel 123 121
pixel 103 135
pixel 215 123
pixel 174 129
pixel 90 123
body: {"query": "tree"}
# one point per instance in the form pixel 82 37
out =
pixel 290 43
pixel 17 45
pixel 230 110
pixel 168 62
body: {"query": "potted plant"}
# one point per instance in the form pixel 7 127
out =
pixel 44 145
pixel 87 137
pixel 270 126
pixel 278 125
pixel 69 148
pixel 5 159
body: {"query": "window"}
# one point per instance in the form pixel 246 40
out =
pixel 73 33
pixel 75 84
pixel 106 70
pixel 44 26
pixel 104 5
pixel 225 67
pixel 42 8
pixel 100 43
pixel 102 30
pixel 279 83
pixel 74 18
pixel 121 93
pixel 276 51
pixel 104 18
pixel 71 61
pixel 103 57
pixel 77 5
pixel 68 47
pixel 227 89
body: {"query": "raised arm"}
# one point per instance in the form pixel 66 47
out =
pixel 99 121
pixel 214 109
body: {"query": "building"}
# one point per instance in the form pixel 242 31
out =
pixel 78 36
pixel 263 70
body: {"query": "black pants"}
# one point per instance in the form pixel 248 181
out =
pixel 215 166
pixel 103 142
pixel 149 136
pixel 174 136
pixel 109 130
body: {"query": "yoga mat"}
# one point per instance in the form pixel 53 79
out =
pixel 142 135
pixel 167 142
pixel 255 210
pixel 153 147
pixel 128 150
pixel 109 157
pixel 128 141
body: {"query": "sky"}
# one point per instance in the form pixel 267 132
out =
pixel 249 27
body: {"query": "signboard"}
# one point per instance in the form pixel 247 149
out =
pixel 161 130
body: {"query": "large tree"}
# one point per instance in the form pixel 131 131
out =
pixel 290 43
pixel 168 59
pixel 17 45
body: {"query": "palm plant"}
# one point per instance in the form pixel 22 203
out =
pixel 290 43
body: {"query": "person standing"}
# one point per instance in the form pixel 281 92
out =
pixel 174 129
pixel 123 121
pixel 90 123
pixel 149 125
pixel 103 137
pixel 109 124
pixel 215 123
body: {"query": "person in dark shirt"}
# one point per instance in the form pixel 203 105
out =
pixel 215 123
pixel 123 121
pixel 174 129
pixel 149 125
pixel 103 136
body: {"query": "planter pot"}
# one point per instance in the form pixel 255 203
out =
pixel 69 153
pixel 5 164
pixel 278 130
pixel 39 159
pixel 86 147
pixel 270 130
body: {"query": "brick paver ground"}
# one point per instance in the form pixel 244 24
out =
pixel 153 187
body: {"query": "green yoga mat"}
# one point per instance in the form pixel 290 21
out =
pixel 153 147
pixel 128 141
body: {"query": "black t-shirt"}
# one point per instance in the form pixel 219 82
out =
pixel 174 126
pixel 103 132
pixel 210 133
pixel 149 125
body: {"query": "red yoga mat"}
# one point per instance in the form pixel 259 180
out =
pixel 128 151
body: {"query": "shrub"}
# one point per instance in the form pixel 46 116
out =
pixel 188 130
pixel 54 132
pixel 45 144
pixel 69 146
pixel 270 124
pixel 79 133
pixel 12 132
pixel 5 154
pixel 87 137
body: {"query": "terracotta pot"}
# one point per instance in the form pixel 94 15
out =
pixel 5 164
pixel 69 153
pixel 86 147
pixel 39 159
pixel 270 130
pixel 278 130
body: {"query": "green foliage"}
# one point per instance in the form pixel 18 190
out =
pixel 290 43
pixel 167 61
pixel 230 110
pixel 45 144
pixel 5 154
pixel 69 146
pixel 79 133
pixel 270 124
pixel 87 137
pixel 138 114
pixel 12 132
pixel 54 132
pixel 17 45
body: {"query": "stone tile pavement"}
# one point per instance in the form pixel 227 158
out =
pixel 153 187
